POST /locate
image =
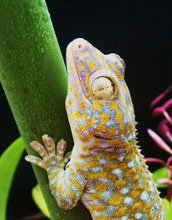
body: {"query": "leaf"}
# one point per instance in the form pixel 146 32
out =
pixel 160 173
pixel 166 205
pixel 169 213
pixel 39 200
pixel 8 164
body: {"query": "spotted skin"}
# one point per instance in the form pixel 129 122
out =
pixel 106 169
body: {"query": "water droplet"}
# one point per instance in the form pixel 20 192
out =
pixel 21 66
pixel 40 3
pixel 42 50
pixel 45 17
pixel 40 73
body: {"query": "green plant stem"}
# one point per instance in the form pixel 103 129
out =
pixel 33 76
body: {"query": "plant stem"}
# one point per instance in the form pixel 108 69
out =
pixel 33 76
pixel 169 193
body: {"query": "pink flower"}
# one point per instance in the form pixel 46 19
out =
pixel 164 181
pixel 159 141
pixel 160 97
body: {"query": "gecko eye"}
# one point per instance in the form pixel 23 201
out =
pixel 102 87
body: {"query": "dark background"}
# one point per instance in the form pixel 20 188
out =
pixel 140 32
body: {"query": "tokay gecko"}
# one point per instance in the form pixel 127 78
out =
pixel 105 168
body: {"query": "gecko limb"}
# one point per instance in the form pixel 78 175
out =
pixel 63 183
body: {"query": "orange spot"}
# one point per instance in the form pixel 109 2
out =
pixel 121 129
pixel 110 167
pixel 119 74
pixel 116 199
pixel 71 101
pixel 76 94
pixel 135 179
pixel 112 177
pixel 122 166
pixel 78 114
pixel 137 206
pixel 84 147
pixel 154 200
pixel 100 187
pixel 98 106
pixel 76 164
pixel 76 184
pixel 131 172
pixel 136 192
pixel 110 156
pixel 120 183
pixel 120 212
pixel 81 67
pixel 118 117
pixel 82 105
pixel 151 215
pixel 139 188
pixel 59 189
pixel 91 65
pixel 147 187
pixel 101 128
pixel 104 117
pixel 84 138
pixel 90 164
pixel 102 218
pixel 110 132
pixel 126 159
pixel 146 208
pixel 96 157
pixel 113 105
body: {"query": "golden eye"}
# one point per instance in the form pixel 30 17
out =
pixel 102 87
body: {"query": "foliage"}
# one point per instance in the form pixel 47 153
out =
pixel 39 200
pixel 8 164
pixel 163 175
pixel 160 173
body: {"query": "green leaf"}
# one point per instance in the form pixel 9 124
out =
pixel 8 164
pixel 160 173
pixel 39 200
pixel 166 205
pixel 169 213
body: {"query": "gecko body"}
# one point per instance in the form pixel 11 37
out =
pixel 106 169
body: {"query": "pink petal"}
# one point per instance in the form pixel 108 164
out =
pixel 164 181
pixel 155 160
pixel 161 96
pixel 164 130
pixel 169 161
pixel 157 111
pixel 159 141
pixel 167 104
pixel 166 115
pixel 161 111
pixel 170 169
pixel 156 100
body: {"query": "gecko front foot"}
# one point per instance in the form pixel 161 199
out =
pixel 51 156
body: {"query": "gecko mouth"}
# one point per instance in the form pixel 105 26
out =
pixel 102 138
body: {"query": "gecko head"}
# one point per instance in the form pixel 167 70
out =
pixel 99 105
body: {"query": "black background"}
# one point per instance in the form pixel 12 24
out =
pixel 140 32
